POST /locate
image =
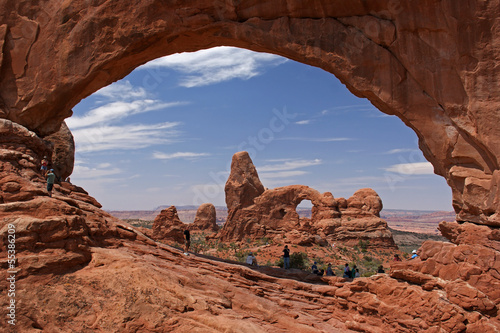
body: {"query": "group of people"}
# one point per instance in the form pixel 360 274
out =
pixel 252 260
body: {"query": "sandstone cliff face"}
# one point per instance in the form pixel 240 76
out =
pixel 273 213
pixel 432 64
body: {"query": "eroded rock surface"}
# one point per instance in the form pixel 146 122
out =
pixel 168 226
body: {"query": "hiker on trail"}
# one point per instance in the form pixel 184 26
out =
pixel 353 271
pixel 347 271
pixel 329 271
pixel 356 274
pixel 414 254
pixel 45 164
pixel 187 243
pixel 314 268
pixel 380 269
pixel 396 257
pixel 251 260
pixel 51 177
pixel 286 257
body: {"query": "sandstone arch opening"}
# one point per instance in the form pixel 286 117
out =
pixel 304 209
pixel 435 89
pixel 104 121
pixel 432 64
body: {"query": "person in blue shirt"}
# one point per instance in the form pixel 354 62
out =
pixel 314 268
pixel 414 255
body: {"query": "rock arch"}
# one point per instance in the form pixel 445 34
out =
pixel 432 64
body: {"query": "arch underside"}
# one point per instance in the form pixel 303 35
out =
pixel 431 65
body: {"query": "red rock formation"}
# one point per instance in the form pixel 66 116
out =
pixel 168 226
pixel 273 213
pixel 434 65
pixel 205 219
pixel 243 184
pixel 81 269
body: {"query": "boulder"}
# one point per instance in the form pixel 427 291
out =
pixel 168 226
pixel 205 219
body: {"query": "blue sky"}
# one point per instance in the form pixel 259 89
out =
pixel 165 135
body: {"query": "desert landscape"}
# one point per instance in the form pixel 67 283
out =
pixel 70 266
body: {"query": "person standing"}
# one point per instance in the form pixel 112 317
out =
pixel 286 257
pixel 347 271
pixel 251 260
pixel 45 164
pixel 187 241
pixel 51 177
pixel 329 270
pixel 314 268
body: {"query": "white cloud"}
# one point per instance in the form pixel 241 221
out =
pixel 288 165
pixel 116 111
pixel 163 156
pixel 84 172
pixel 399 151
pixel 420 168
pixel 122 90
pixel 314 139
pixel 282 174
pixel 216 65
pixel 124 137
pixel 303 122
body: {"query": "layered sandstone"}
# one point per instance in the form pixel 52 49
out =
pixel 272 213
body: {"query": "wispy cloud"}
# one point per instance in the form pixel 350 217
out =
pixel 216 65
pixel 115 111
pixel 99 129
pixel 101 171
pixel 102 138
pixel 314 139
pixel 420 168
pixel 186 155
pixel 122 90
pixel 399 151
pixel 282 174
pixel 303 122
pixel 288 165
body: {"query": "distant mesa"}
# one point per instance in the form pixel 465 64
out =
pixel 256 212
